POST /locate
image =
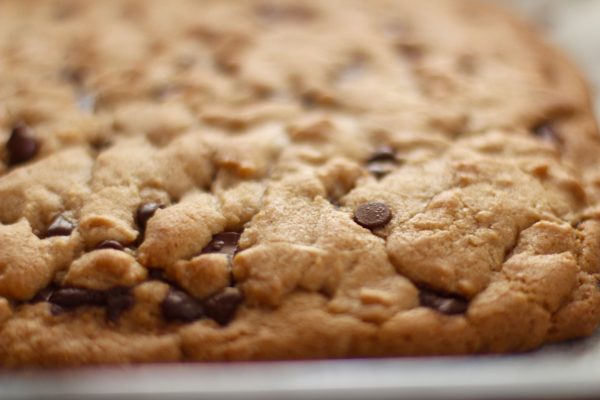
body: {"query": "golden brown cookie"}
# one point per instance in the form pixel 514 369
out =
pixel 261 179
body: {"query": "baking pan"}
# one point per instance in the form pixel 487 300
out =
pixel 564 371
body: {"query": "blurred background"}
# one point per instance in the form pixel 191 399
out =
pixel 575 26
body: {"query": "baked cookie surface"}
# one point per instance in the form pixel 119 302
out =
pixel 252 180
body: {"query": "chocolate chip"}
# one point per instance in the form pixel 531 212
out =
pixel 144 212
pixel 178 305
pixel 156 274
pixel 21 145
pixel 380 169
pixel 383 153
pixel 110 244
pixel 445 304
pixel 118 299
pixel 547 132
pixel 74 297
pixel 382 162
pixel 372 215
pixel 60 226
pixel 222 306
pixel 224 242
pixel 44 294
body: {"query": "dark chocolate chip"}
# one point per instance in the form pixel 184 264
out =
pixel 382 162
pixel 74 297
pixel 156 274
pixel 21 145
pixel 110 244
pixel 180 306
pixel 222 306
pixel 224 242
pixel 383 153
pixel 118 299
pixel 372 215
pixel 60 226
pixel 380 169
pixel 547 132
pixel 44 294
pixel 445 304
pixel 144 212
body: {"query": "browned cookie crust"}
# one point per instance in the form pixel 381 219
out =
pixel 244 180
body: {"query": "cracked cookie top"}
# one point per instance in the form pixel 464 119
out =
pixel 261 179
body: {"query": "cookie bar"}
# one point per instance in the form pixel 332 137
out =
pixel 262 180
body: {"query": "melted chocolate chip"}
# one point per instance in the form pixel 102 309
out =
pixel 110 244
pixel 372 215
pixel 60 226
pixel 74 297
pixel 445 304
pixel 180 306
pixel 21 145
pixel 118 299
pixel 224 243
pixel 144 212
pixel 222 306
